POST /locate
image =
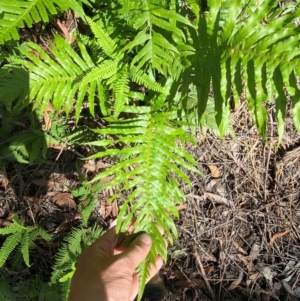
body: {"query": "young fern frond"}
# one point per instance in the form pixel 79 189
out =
pixel 21 13
pixel 104 40
pixel 25 247
pixel 146 171
pixel 87 195
pixel 121 88
pixel 18 233
pixel 71 248
pixel 67 256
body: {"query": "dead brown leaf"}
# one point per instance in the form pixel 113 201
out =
pixel 277 235
pixel 3 178
pixel 68 218
pixel 34 210
pixel 4 222
pixel 45 183
pixel 89 166
pixel 215 173
pixel 64 199
pixel 63 29
pixel 255 250
pixel 239 248
pixel 217 198
pixel 266 297
pixel 249 264
pixel 47 118
pixel 181 207
pixel 115 209
pixel 236 282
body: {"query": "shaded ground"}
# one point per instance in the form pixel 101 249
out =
pixel 239 235
pixel 238 231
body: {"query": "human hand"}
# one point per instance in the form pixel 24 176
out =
pixel 105 271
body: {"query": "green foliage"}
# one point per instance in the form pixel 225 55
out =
pixel 67 256
pixel 147 170
pixel 18 14
pixel 6 292
pixel 87 194
pixel 147 71
pixel 239 51
pixel 18 233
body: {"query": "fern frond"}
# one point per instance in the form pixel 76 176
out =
pixel 121 88
pixel 18 14
pixel 103 71
pixel 236 51
pixel 140 77
pixel 14 83
pixel 25 247
pixel 67 254
pixel 154 156
pixel 54 80
pixel 104 40
pixel 9 245
pixel 153 43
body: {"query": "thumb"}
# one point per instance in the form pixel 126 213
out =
pixel 137 251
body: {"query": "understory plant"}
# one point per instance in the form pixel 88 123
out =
pixel 148 71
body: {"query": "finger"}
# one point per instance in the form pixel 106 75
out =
pixel 137 251
pixel 106 243
pixel 153 271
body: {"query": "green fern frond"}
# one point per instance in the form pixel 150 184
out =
pixel 105 42
pixel 121 88
pixel 18 233
pixel 18 14
pixel 25 247
pixel 105 70
pixel 71 248
pixel 9 245
pixel 142 78
pixel 67 256
pixel 159 32
pixel 55 80
pixel 14 83
pixel 146 172
pixel 236 50
pixel 87 195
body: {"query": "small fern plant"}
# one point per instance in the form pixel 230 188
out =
pixel 66 258
pixel 24 236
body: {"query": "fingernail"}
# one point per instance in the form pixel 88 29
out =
pixel 146 239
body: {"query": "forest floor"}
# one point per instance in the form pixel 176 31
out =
pixel 239 229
